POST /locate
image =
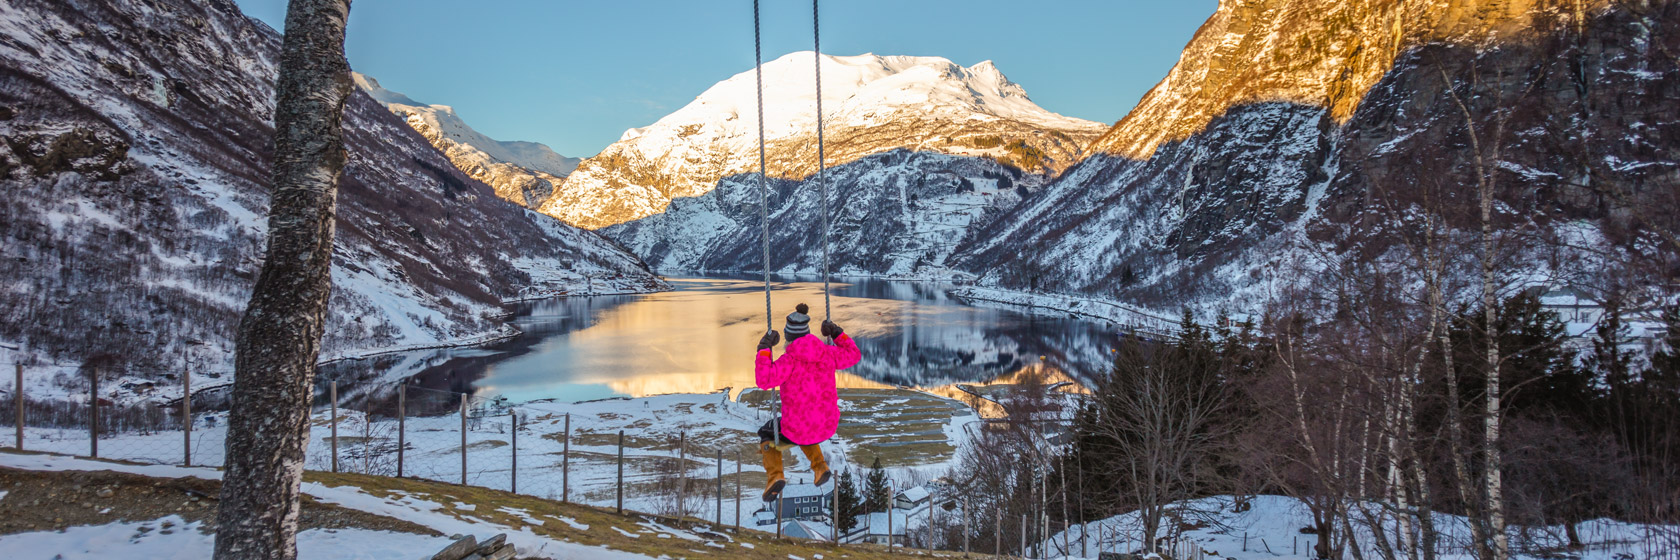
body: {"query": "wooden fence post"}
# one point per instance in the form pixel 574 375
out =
pixel 367 435
pixel 890 500
pixel 402 421
pixel 463 439
pixel 720 488
pixel 778 503
pixel 737 490
pixel 929 524
pixel 186 416
pixel 332 395
pixel 834 519
pixel 513 474
pixel 620 472
pixel 93 415
pixel 682 477
pixel 17 397
pixel 566 463
pixel 1084 541
pixel 966 515
pixel 997 532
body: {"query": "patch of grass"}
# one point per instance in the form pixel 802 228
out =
pixel 490 506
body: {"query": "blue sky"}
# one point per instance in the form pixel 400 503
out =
pixel 575 75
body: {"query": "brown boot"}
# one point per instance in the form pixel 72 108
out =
pixel 819 465
pixel 773 479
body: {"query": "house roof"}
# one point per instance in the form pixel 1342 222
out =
pixel 1566 296
pixel 802 491
pixel 876 523
pixel 804 530
pixel 916 494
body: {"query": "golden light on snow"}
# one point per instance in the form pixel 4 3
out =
pixel 1262 52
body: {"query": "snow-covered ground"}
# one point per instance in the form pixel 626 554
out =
pixel 652 425
pixel 1271 528
pixel 172 537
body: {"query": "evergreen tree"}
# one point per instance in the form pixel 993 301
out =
pixel 1539 370
pixel 1608 361
pixel 1665 362
pixel 849 502
pixel 876 493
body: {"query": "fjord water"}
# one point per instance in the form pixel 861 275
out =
pixel 700 337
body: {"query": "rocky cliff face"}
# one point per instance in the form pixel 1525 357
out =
pixel 872 104
pixel 134 150
pixel 895 214
pixel 523 173
pixel 1317 53
pixel 1290 126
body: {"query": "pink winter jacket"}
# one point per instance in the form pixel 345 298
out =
pixel 805 372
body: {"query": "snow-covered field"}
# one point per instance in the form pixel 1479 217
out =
pixel 171 537
pixel 1271 529
pixel 652 426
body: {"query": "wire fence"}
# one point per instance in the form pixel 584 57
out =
pixel 404 430
pixel 391 429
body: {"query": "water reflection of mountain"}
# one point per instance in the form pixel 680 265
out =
pixel 926 356
pixel 457 369
pixel 699 338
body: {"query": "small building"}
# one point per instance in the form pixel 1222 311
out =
pixel 912 499
pixel 801 529
pixel 806 501
pixel 1571 306
pixel 880 528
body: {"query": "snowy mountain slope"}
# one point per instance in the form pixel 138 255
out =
pixel 898 214
pixel 872 104
pixel 1308 52
pixel 134 146
pixel 1201 197
pixel 524 173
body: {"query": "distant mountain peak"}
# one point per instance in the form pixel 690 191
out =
pixel 871 103
pixel 522 172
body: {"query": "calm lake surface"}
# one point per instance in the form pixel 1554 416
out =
pixel 701 337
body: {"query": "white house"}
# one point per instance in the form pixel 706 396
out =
pixel 912 499
pixel 880 528
pixel 1572 306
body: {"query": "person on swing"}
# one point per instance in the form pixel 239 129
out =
pixel 810 404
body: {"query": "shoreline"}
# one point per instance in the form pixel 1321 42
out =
pixel 502 332
pixel 1117 314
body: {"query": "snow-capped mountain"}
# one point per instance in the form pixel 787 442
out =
pixel 871 104
pixel 1284 123
pixel 893 214
pixel 524 173
pixel 134 146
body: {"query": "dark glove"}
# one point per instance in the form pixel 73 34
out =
pixel 831 330
pixel 770 340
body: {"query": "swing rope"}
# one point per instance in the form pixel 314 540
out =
pixel 764 221
pixel 822 161
pixel 763 187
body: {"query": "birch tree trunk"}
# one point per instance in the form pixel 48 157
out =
pixel 1490 454
pixel 1497 544
pixel 279 336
